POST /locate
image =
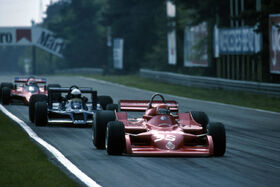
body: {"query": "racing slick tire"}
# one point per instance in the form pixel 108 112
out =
pixel 115 138
pixel 56 96
pixel 218 133
pixel 6 95
pixel 32 101
pixel 104 100
pixel 113 107
pixel 5 84
pixel 41 113
pixel 201 118
pixel 101 118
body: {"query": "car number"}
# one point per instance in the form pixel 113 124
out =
pixel 168 137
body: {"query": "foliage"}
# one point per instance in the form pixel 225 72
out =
pixel 77 23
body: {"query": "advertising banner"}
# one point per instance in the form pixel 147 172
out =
pixel 274 43
pixel 46 40
pixel 27 36
pixel 10 36
pixel 172 56
pixel 195 46
pixel 171 36
pixel 242 40
pixel 118 53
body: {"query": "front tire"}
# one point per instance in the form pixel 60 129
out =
pixel 32 101
pixel 115 138
pixel 41 113
pixel 6 95
pixel 99 126
pixel 218 133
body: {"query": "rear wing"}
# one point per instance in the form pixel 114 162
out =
pixel 53 90
pixel 24 80
pixel 142 105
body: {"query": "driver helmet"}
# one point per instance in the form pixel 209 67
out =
pixel 31 82
pixel 75 93
pixel 162 109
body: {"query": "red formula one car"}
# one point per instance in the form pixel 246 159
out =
pixel 160 131
pixel 23 89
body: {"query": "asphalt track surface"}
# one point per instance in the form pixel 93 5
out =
pixel 252 157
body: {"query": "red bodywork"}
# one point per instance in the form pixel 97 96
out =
pixel 162 134
pixel 21 92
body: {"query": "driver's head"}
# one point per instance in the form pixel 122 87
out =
pixel 75 93
pixel 31 82
pixel 162 109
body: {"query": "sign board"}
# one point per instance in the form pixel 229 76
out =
pixel 195 46
pixel 46 40
pixel 171 39
pixel 242 40
pixel 274 43
pixel 10 36
pixel 27 36
pixel 118 53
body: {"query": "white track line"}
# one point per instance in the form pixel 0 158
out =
pixel 180 97
pixel 58 155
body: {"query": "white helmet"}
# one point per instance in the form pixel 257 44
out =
pixel 76 93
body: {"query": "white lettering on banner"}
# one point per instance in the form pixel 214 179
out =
pixel 48 41
pixel 242 40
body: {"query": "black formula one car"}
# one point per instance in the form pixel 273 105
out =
pixel 73 108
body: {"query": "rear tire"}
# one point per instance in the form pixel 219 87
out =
pixel 101 118
pixel 32 101
pixel 6 95
pixel 113 107
pixel 41 113
pixel 104 100
pixel 218 133
pixel 201 118
pixel 115 138
pixel 5 84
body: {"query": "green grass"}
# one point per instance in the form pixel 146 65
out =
pixel 23 163
pixel 230 97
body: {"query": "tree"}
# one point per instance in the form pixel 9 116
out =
pixel 77 23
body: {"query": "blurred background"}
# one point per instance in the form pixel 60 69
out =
pixel 231 39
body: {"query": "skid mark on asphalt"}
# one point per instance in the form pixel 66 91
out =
pixel 57 154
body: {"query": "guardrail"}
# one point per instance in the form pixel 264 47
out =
pixel 80 71
pixel 210 82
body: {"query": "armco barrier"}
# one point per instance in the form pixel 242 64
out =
pixel 209 82
pixel 80 71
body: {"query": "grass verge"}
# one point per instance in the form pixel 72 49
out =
pixel 251 100
pixel 23 163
